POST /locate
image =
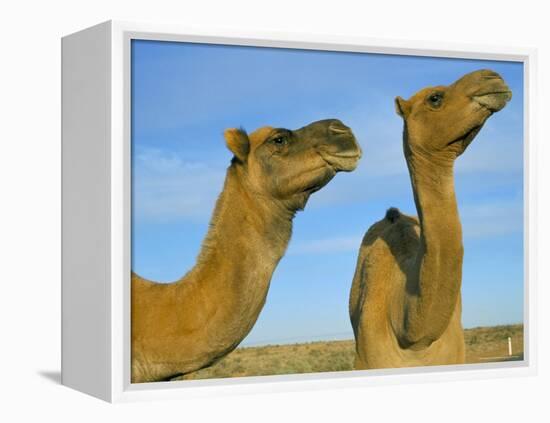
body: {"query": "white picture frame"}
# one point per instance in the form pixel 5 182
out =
pixel 96 212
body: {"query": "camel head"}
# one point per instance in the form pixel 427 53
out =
pixel 289 165
pixel 442 121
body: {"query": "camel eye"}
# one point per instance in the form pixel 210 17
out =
pixel 435 99
pixel 279 140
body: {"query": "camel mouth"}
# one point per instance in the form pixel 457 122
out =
pixel 342 162
pixel 311 189
pixel 495 100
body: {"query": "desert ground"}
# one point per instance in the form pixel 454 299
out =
pixel 483 345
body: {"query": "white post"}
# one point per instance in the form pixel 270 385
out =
pixel 509 346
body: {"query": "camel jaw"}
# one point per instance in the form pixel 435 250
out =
pixel 466 138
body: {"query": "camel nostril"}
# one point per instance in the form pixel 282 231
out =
pixel 489 74
pixel 338 127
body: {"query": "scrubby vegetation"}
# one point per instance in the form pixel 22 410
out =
pixel 484 344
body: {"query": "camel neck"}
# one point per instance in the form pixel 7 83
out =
pixel 434 283
pixel 247 237
pixel 435 200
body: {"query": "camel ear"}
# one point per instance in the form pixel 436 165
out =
pixel 402 107
pixel 237 141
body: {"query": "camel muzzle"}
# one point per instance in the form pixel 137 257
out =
pixel 494 101
pixel 493 93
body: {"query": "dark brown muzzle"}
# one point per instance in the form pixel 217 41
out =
pixel 341 150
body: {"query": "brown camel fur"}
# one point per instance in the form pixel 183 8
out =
pixel 184 326
pixel 405 302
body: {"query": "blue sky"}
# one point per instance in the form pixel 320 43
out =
pixel 183 97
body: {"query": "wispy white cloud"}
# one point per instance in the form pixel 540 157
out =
pixel 326 245
pixel 489 220
pixel 496 150
pixel 168 188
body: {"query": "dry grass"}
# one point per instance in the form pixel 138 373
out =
pixel 484 344
pixel 488 344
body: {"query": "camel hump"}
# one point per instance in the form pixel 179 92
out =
pixel 392 214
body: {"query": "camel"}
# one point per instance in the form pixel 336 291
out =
pixel 405 300
pixel 190 324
